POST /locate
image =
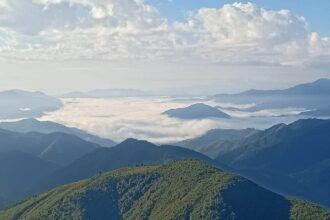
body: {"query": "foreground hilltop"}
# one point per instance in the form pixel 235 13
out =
pixel 177 190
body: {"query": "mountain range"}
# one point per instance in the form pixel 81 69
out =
pixel 108 93
pixel 47 127
pixel 196 111
pixel 22 104
pixel 313 97
pixel 177 190
pixel 289 159
pixel 214 142
pixel 59 148
pixel 23 163
pixel 129 152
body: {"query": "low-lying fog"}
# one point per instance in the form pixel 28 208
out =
pixel 121 118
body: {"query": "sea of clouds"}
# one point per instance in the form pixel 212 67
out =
pixel 142 118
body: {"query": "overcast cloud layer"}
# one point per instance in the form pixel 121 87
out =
pixel 132 29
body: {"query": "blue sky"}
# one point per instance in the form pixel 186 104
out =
pixel 317 13
pixel 88 44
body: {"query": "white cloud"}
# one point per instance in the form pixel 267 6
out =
pixel 132 29
pixel 141 118
pixel 123 118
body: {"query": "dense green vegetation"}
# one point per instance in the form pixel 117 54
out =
pixel 128 153
pixel 291 159
pixel 177 190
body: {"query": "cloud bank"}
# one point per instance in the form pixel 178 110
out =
pixel 133 30
pixel 141 118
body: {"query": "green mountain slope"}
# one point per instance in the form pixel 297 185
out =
pixel 128 153
pixel 177 190
pixel 290 159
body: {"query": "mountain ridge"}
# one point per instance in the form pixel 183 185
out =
pixel 196 111
pixel 170 191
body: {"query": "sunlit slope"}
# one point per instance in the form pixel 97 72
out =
pixel 177 190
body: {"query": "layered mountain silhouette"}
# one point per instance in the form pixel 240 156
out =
pixel 108 93
pixel 59 148
pixel 128 153
pixel 289 159
pixel 196 111
pixel 21 104
pixel 46 127
pixel 177 190
pixel 314 97
pixel 216 141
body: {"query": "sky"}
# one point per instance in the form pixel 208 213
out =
pixel 173 46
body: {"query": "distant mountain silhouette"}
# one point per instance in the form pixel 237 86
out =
pixel 20 104
pixel 316 88
pixel 312 96
pixel 59 148
pixel 107 93
pixel 46 127
pixel 196 111
pixel 177 190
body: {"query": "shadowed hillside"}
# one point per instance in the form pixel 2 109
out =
pixel 178 190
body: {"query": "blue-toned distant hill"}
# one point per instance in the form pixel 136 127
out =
pixel 108 93
pixel 46 127
pixel 177 190
pixel 291 159
pixel 216 141
pixel 196 111
pixel 19 172
pixel 59 148
pixel 312 96
pixel 22 104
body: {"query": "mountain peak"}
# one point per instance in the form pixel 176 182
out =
pixel 196 111
pixel 189 190
pixel 131 142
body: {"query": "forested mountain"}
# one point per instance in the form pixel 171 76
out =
pixel 215 141
pixel 128 153
pixel 177 190
pixel 291 159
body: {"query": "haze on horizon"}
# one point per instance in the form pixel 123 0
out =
pixel 203 47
